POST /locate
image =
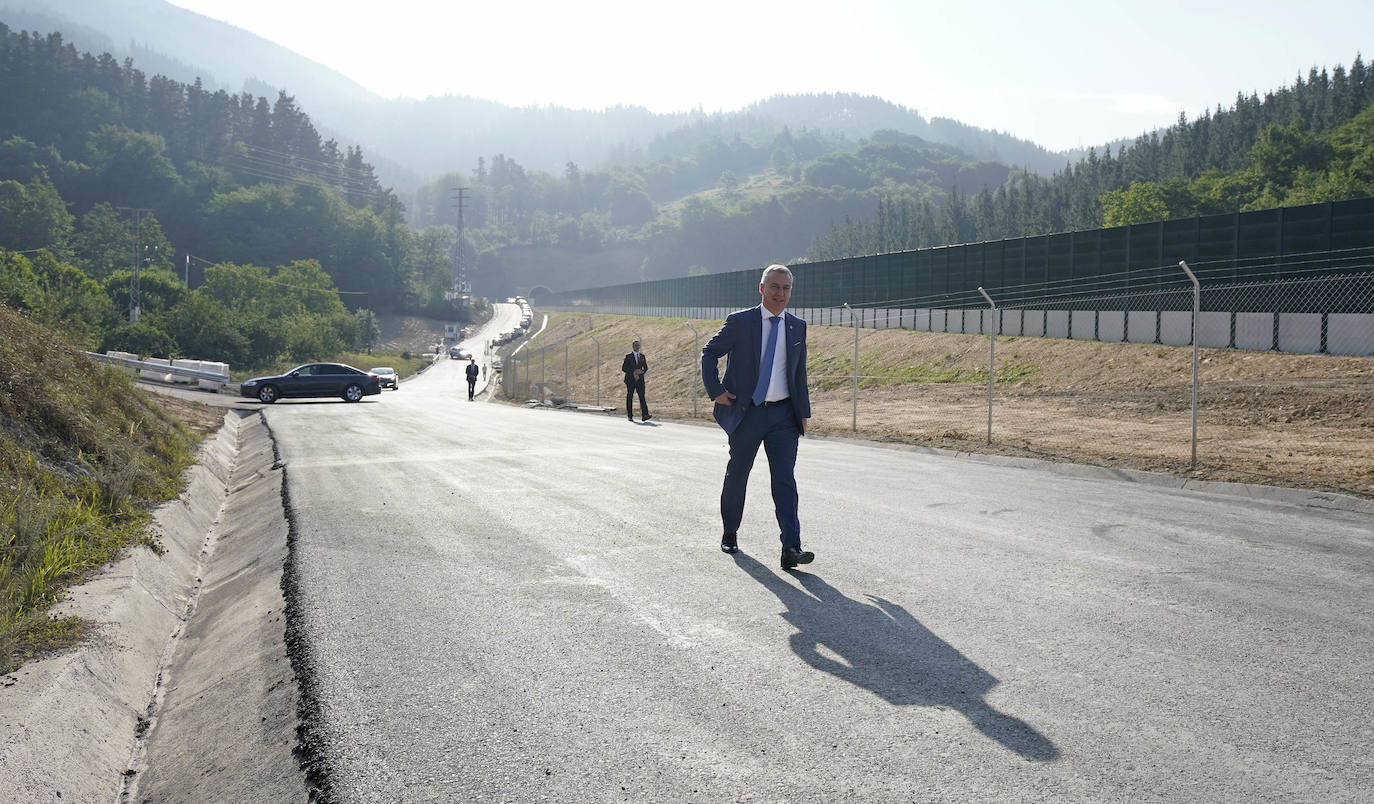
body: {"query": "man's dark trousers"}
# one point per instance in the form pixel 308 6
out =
pixel 631 387
pixel 775 427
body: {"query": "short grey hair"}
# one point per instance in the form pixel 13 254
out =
pixel 776 268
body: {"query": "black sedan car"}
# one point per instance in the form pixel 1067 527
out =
pixel 314 379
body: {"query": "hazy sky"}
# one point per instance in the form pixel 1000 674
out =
pixel 1060 73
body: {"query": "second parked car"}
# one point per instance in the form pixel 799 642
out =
pixel 314 379
pixel 388 376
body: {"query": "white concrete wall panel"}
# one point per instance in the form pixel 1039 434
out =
pixel 1176 327
pixel 1083 325
pixel 1300 333
pixel 1214 329
pixel 1255 331
pixel 1111 326
pixel 1057 323
pixel 1350 334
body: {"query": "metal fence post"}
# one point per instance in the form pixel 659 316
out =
pixel 696 358
pixel 1197 304
pixel 992 347
pixel 854 396
pixel 598 366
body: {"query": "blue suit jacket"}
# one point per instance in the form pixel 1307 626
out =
pixel 740 340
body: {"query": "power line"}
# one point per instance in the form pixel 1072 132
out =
pixel 266 163
pixel 284 178
pixel 359 172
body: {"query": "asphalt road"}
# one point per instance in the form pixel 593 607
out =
pixel 517 605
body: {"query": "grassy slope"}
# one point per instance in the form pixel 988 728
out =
pixel 83 458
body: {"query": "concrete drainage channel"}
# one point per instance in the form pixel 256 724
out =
pixel 188 692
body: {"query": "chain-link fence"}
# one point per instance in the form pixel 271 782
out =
pixel 1100 374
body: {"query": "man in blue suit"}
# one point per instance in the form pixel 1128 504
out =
pixel 762 400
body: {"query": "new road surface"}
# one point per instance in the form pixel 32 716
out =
pixel 509 604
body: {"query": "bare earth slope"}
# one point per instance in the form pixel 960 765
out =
pixel 1303 421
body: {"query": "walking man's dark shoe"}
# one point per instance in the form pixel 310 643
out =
pixel 729 543
pixel 791 557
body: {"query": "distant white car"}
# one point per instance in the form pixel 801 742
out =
pixel 458 353
pixel 388 376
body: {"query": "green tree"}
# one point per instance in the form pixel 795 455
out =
pixel 204 329
pixel 1282 152
pixel 629 203
pixel 841 169
pixel 33 216
pixel 20 286
pixel 1142 202
pixel 103 242
pixel 130 168
pixel 368 329
pixel 158 290
pixel 142 339
pixel 729 183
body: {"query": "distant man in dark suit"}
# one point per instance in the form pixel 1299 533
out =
pixel 472 372
pixel 635 367
pixel 763 399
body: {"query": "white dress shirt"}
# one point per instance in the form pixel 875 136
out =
pixel 777 384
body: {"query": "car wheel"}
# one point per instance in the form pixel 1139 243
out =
pixel 353 393
pixel 268 394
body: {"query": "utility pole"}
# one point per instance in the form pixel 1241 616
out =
pixel 460 283
pixel 134 302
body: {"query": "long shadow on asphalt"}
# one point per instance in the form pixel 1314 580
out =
pixel 889 653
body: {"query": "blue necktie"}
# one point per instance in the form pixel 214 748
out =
pixel 766 370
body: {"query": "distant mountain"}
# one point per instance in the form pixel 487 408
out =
pixel 859 116
pixel 411 141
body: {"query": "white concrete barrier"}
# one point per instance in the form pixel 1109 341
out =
pixel 1111 326
pixel 1300 333
pixel 1214 329
pixel 1255 331
pixel 1083 325
pixel 1350 334
pixel 1140 326
pixel 1176 327
pixel 1057 323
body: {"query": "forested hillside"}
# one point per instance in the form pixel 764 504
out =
pixel 414 139
pixel 245 220
pixel 1309 142
pixel 711 203
pixel 250 233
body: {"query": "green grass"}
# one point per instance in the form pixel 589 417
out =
pixel 84 457
pixel 834 371
pixel 405 366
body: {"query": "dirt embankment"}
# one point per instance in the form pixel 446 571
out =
pixel 1303 421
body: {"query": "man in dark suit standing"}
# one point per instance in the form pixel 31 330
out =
pixel 763 399
pixel 471 370
pixel 635 367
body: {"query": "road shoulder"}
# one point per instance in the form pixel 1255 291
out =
pixel 155 707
